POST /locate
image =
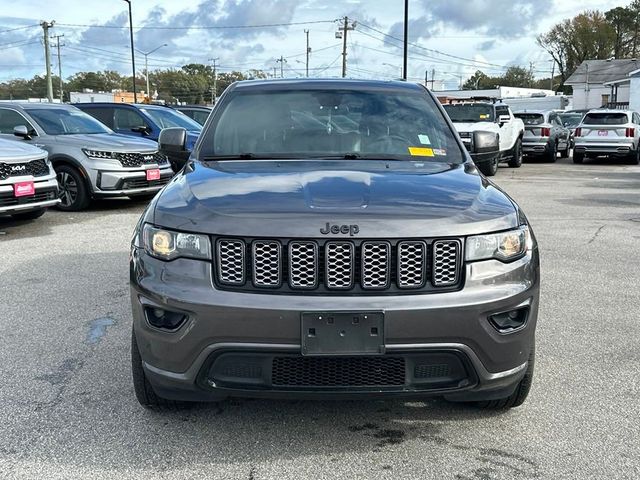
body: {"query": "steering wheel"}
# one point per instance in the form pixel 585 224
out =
pixel 391 143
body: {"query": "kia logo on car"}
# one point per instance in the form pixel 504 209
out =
pixel 148 157
pixel 18 168
pixel 336 229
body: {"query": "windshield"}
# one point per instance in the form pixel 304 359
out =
pixel 470 113
pixel 66 121
pixel 167 118
pixel 530 118
pixel 571 119
pixel 332 123
pixel 605 119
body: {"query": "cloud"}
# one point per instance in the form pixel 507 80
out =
pixel 488 45
pixel 504 18
pixel 419 28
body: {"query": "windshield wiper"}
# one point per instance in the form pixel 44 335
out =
pixel 356 156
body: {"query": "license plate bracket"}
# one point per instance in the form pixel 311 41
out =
pixel 24 189
pixel 342 333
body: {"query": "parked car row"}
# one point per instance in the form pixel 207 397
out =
pixel 110 155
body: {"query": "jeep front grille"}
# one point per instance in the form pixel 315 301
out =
pixel 35 168
pixel 338 266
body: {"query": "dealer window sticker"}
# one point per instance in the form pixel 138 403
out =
pixel 421 152
pixel 424 139
pixel 440 152
pixel 484 115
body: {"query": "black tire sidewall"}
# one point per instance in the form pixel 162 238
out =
pixel 516 161
pixel 82 199
pixel 31 215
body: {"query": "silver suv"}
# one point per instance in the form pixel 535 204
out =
pixel 90 160
pixel 612 133
pixel 27 182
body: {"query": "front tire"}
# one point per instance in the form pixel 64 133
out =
pixel 145 394
pixel 552 154
pixel 74 195
pixel 516 160
pixel 634 158
pixel 490 168
pixel 32 215
pixel 565 153
pixel 519 395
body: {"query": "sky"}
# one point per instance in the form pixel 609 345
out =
pixel 453 37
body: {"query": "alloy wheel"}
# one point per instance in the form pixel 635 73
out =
pixel 68 189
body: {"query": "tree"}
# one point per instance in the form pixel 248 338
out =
pixel 477 81
pixel 517 77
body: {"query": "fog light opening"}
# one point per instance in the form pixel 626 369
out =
pixel 164 319
pixel 507 322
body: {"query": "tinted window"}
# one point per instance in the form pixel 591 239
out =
pixel 470 113
pixel 10 119
pixel 530 118
pixel 605 119
pixel 502 111
pixel 105 115
pixel 166 118
pixel 199 116
pixel 128 118
pixel 570 119
pixel 63 121
pixel 320 123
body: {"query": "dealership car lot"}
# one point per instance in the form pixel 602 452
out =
pixel 69 412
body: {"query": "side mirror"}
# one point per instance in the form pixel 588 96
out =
pixel 172 142
pixel 485 142
pixel 502 119
pixel 22 131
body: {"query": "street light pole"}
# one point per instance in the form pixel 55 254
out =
pixel 406 40
pixel 214 92
pixel 146 66
pixel 133 57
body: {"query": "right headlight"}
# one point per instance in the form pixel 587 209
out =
pixel 504 246
pixel 169 244
pixel 100 154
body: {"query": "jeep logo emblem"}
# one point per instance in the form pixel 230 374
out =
pixel 18 168
pixel 337 229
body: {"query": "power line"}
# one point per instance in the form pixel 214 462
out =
pixel 20 28
pixel 201 27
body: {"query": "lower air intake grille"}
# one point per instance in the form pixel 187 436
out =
pixel 295 371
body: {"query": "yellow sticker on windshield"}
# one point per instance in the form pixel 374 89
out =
pixel 421 152
pixel 484 115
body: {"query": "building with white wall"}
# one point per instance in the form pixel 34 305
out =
pixel 600 82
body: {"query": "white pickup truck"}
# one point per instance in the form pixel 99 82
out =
pixel 469 117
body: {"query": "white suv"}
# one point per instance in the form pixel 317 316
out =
pixel 612 133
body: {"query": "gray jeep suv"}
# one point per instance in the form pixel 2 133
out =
pixel 27 182
pixel 90 160
pixel 332 239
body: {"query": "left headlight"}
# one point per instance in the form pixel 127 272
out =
pixel 504 246
pixel 97 153
pixel 168 244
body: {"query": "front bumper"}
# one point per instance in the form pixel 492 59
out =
pixel 179 364
pixel 46 195
pixel 114 183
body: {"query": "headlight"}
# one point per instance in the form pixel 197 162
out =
pixel 97 153
pixel 167 244
pixel 504 246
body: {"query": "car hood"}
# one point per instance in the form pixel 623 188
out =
pixel 477 126
pixel 112 142
pixel 19 151
pixel 298 198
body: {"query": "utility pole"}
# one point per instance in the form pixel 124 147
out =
pixel 47 56
pixel 342 33
pixel 426 78
pixel 433 77
pixel 214 92
pixel 58 45
pixel 281 61
pixel 133 56
pixel 553 73
pixel 308 51
pixel 406 40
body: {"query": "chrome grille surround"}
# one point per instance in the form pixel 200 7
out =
pixel 446 259
pixel 412 263
pixel 375 265
pixel 266 255
pixel 231 261
pixel 339 258
pixel 303 264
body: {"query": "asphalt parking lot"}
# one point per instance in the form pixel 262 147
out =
pixel 68 409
